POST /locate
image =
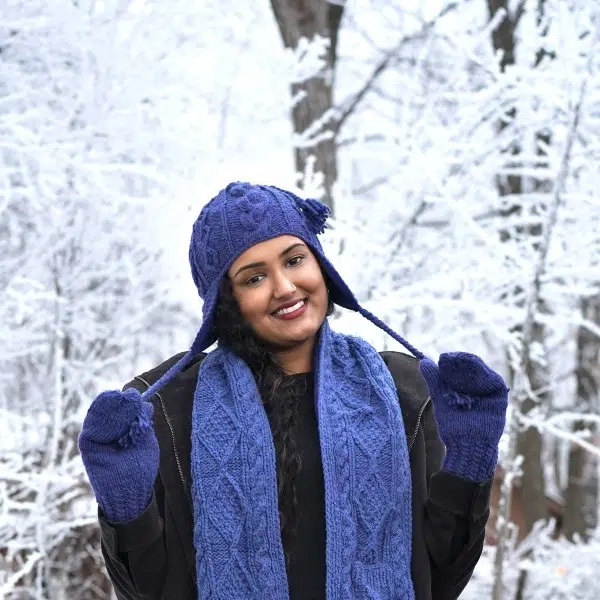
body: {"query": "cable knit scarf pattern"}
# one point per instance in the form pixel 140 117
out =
pixel 239 554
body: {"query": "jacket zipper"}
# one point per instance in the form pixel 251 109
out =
pixel 418 424
pixel 179 469
pixel 170 424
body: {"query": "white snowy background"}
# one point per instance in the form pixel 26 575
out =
pixel 466 215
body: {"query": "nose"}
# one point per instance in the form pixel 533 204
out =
pixel 283 287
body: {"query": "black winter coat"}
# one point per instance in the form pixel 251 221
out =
pixel 153 556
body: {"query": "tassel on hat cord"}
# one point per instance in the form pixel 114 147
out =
pixel 136 431
pixel 462 401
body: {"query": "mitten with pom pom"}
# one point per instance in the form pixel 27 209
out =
pixel 470 402
pixel 120 453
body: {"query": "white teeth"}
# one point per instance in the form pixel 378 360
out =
pixel 285 311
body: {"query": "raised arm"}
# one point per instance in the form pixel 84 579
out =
pixel 469 409
pixel 120 453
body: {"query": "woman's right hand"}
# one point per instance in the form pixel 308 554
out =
pixel 120 453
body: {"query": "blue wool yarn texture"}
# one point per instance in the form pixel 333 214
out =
pixel 239 554
pixel 470 402
pixel 120 453
pixel 365 464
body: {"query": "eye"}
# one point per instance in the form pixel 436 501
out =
pixel 254 280
pixel 295 260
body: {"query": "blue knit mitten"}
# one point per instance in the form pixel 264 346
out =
pixel 120 453
pixel 470 402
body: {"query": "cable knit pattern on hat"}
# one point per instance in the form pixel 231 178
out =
pixel 239 217
pixel 365 466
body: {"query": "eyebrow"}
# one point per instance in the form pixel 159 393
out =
pixel 262 263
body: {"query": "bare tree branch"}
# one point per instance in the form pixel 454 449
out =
pixel 349 106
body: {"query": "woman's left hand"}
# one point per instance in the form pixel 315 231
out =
pixel 470 402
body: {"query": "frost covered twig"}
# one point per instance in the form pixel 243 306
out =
pixel 549 427
pixel 522 386
pixel 350 105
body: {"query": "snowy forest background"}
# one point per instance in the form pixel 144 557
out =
pixel 458 144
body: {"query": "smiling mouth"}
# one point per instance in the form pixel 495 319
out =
pixel 290 311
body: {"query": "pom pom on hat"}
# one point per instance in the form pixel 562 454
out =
pixel 315 212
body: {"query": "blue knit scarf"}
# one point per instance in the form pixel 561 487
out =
pixel 239 554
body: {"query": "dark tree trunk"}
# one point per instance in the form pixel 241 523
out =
pixel 529 446
pixel 299 19
pixel 581 492
pixel 529 443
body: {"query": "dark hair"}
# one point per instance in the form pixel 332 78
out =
pixel 280 399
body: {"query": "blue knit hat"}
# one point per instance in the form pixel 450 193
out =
pixel 239 217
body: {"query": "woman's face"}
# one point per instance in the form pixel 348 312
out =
pixel 280 290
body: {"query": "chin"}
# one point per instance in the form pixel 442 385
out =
pixel 297 337
pixel 289 341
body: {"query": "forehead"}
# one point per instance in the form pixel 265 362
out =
pixel 266 251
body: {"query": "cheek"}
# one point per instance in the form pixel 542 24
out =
pixel 315 285
pixel 253 303
pixel 323 301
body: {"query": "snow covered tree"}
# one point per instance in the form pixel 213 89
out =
pixel 88 111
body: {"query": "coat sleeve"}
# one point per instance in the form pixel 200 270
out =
pixel 134 552
pixel 456 514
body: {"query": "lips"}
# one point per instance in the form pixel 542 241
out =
pixel 287 305
pixel 290 309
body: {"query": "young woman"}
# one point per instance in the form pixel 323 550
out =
pixel 291 462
